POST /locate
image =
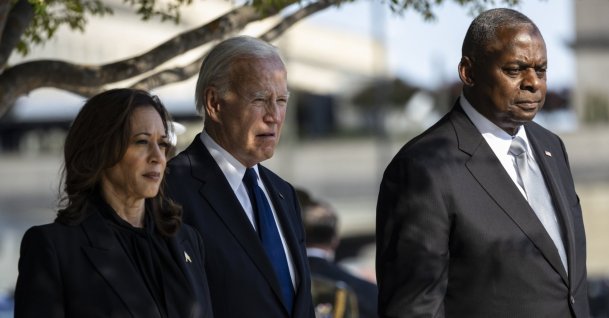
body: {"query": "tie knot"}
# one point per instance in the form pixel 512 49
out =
pixel 518 146
pixel 250 178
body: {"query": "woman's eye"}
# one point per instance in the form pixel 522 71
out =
pixel 141 142
pixel 163 144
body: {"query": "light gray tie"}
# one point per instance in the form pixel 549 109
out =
pixel 531 180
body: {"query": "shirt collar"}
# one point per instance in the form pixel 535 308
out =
pixel 231 167
pixel 491 132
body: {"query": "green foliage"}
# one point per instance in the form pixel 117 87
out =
pixel 148 9
pixel 50 15
pixel 266 6
pixel 425 7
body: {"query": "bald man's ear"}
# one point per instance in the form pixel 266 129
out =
pixel 212 103
pixel 466 71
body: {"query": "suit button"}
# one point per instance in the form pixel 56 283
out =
pixel 572 300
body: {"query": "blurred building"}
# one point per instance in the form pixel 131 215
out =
pixel 591 94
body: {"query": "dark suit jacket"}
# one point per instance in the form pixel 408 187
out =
pixel 241 279
pixel 455 237
pixel 82 271
pixel 366 292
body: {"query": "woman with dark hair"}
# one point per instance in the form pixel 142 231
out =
pixel 118 247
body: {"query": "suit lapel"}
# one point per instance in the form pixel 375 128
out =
pixel 284 210
pixel 488 171
pixel 550 170
pixel 217 192
pixel 192 278
pixel 178 250
pixel 110 260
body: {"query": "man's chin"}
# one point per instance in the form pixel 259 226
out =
pixel 525 119
pixel 265 154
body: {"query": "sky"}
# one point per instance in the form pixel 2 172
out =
pixel 427 52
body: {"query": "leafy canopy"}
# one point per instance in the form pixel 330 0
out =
pixel 49 15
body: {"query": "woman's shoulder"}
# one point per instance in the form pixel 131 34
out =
pixel 51 231
pixel 43 237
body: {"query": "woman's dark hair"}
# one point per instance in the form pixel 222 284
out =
pixel 97 140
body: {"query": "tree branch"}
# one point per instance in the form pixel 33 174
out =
pixel 298 15
pixel 83 91
pixel 25 77
pixel 182 73
pixel 5 7
pixel 18 19
pixel 168 76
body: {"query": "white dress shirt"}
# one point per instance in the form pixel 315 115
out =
pixel 499 140
pixel 234 171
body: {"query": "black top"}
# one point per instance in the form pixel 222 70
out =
pixel 150 256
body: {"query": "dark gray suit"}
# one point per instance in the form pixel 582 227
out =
pixel 455 237
pixel 241 279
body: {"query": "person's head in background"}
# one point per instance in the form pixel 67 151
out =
pixel 116 148
pixel 321 227
pixel 503 68
pixel 304 198
pixel 242 93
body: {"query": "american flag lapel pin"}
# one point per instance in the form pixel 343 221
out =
pixel 549 154
pixel 187 257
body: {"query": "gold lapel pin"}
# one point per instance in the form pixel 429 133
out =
pixel 549 154
pixel 188 260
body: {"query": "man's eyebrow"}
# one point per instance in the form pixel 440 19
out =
pixel 264 94
pixel 525 63
pixel 258 94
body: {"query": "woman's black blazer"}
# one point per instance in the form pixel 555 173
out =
pixel 82 271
